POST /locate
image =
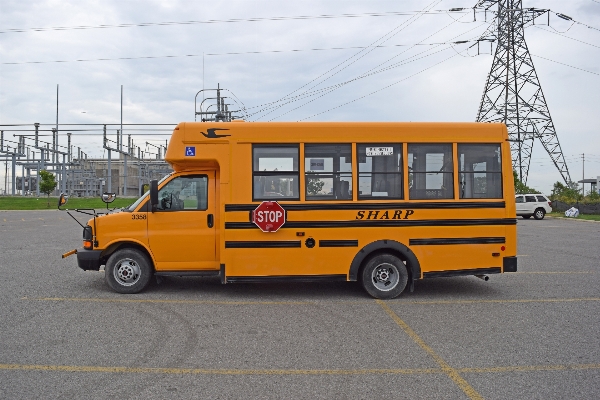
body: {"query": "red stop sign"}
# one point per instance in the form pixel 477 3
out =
pixel 269 216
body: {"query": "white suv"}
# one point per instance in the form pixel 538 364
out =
pixel 533 204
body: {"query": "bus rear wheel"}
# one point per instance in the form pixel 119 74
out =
pixel 128 271
pixel 384 276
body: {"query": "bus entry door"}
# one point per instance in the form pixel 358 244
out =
pixel 182 230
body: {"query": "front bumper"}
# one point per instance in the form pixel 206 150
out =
pixel 89 260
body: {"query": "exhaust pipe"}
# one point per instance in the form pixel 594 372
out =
pixel 484 277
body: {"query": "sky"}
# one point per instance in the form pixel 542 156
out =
pixel 165 52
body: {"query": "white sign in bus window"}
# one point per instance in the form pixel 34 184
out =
pixel 380 151
pixel 317 164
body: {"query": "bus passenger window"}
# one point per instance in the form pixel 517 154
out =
pixel 328 171
pixel 275 172
pixel 379 171
pixel 480 171
pixel 430 171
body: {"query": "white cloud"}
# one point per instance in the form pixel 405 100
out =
pixel 162 90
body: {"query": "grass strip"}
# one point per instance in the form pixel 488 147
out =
pixel 41 203
pixel 587 217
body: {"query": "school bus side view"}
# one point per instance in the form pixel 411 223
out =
pixel 385 204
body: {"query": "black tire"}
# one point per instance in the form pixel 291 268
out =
pixel 128 271
pixel 539 213
pixel 384 276
pixel 526 216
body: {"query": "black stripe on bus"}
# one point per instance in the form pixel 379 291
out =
pixel 187 273
pixel 287 278
pixel 261 244
pixel 372 206
pixel 462 272
pixel 476 240
pixel 338 243
pixel 380 223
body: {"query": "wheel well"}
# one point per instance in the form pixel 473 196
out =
pixel 124 245
pixel 385 247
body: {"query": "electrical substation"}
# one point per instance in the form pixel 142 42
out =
pixel 77 174
pixel 28 149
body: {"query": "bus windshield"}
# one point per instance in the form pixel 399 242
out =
pixel 143 197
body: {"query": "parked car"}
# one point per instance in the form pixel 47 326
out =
pixel 536 205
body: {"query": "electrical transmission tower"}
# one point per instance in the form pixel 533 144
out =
pixel 513 94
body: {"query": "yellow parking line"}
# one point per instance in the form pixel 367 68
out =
pixel 553 272
pixel 497 301
pixel 527 368
pixel 203 371
pixel 291 302
pixel 451 372
pixel 167 301
pixel 233 371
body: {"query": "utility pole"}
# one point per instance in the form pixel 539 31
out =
pixel 513 94
pixel 583 174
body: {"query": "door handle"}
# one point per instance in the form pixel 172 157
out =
pixel 210 220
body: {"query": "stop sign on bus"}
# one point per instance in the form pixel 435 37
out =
pixel 269 216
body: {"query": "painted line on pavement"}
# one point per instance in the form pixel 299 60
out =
pixel 530 368
pixel 203 371
pixel 553 272
pixel 291 302
pixel 451 372
pixel 233 371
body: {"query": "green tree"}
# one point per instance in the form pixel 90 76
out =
pixel 520 187
pixel 47 183
pixel 593 196
pixel 566 193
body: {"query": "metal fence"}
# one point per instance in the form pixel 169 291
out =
pixel 583 208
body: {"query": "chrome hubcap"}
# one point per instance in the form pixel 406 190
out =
pixel 127 272
pixel 385 277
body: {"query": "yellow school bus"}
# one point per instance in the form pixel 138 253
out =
pixel 385 204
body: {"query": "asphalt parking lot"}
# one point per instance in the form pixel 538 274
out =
pixel 534 334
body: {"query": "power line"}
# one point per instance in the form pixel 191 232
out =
pixel 378 41
pixel 379 90
pixel 565 36
pixel 372 72
pixel 566 65
pixel 329 89
pixel 236 20
pixel 369 72
pixel 223 54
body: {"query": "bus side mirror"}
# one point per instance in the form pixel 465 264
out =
pixel 108 197
pixel 153 194
pixel 62 200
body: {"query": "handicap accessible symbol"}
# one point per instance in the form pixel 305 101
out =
pixel 190 151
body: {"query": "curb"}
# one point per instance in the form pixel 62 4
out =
pixel 571 219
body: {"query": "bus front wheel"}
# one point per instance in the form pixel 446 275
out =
pixel 384 276
pixel 128 271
